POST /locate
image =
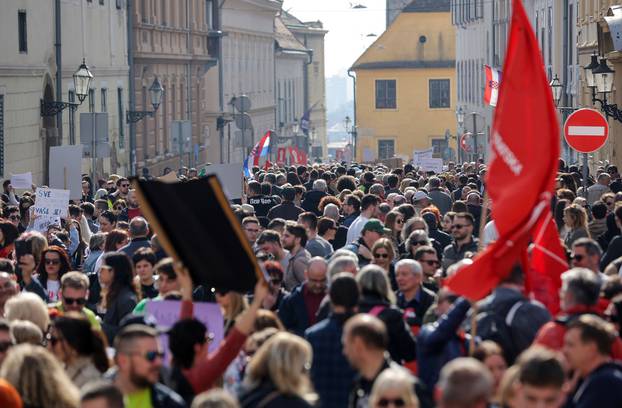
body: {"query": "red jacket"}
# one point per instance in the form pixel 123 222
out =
pixel 551 335
pixel 203 375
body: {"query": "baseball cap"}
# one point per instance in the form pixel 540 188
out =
pixel 375 226
pixel 420 195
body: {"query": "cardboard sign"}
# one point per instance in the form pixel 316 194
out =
pixel 430 164
pixel 51 202
pixel 230 177
pixel 22 181
pixel 166 313
pixel 66 169
pixel 42 223
pixel 422 154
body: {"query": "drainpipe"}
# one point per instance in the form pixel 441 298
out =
pixel 354 125
pixel 59 70
pixel 221 91
pixel 131 85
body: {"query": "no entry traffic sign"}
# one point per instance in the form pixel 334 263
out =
pixel 586 130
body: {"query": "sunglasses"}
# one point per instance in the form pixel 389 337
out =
pixel 125 185
pixel 52 261
pixel 151 356
pixel 5 345
pixel 384 256
pixel 430 262
pixel 609 202
pixel 397 402
pixel 15 218
pixel 71 301
pixel 458 226
pixel 119 208
pixel 577 258
pixel 399 221
pixel 418 243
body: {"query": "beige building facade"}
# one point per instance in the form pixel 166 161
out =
pixel 89 30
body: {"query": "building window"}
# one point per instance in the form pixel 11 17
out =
pixel 121 115
pixel 101 2
pixel 91 100
pixel 163 11
pixel 385 94
pixel 386 149
pixel 119 4
pixel 104 99
pixel 22 31
pixel 439 146
pixel 439 93
pixel 209 14
pixel 1 135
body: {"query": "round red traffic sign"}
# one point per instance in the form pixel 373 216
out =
pixel 586 130
pixel 465 142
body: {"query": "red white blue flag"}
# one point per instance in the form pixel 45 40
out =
pixel 493 81
pixel 261 149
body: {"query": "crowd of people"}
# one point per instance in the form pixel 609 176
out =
pixel 353 311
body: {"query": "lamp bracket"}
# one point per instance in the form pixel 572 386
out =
pixel 52 108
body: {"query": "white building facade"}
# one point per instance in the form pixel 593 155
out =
pixel 482 30
pixel 248 63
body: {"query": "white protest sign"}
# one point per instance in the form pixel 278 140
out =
pixel 66 169
pixel 42 223
pixel 22 181
pixel 230 177
pixel 422 154
pixel 430 164
pixel 51 202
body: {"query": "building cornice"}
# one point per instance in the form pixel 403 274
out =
pixel 404 65
pixel 265 4
pixel 23 70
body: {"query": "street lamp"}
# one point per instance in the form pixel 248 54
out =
pixel 155 94
pixel 602 82
pixel 81 82
pixel 589 75
pixel 556 88
pixel 295 127
pixel 460 116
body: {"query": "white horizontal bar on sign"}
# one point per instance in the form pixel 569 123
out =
pixel 586 131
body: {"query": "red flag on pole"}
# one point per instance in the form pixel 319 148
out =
pixel 548 262
pixel 524 153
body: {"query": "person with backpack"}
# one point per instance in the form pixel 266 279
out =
pixel 508 318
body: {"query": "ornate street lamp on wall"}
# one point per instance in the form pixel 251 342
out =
pixel 599 78
pixel 155 94
pixel 556 89
pixel 81 82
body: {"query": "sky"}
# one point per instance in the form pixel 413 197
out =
pixel 348 28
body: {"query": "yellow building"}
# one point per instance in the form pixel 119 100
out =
pixel 405 86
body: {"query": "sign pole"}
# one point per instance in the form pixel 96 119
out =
pixel 585 175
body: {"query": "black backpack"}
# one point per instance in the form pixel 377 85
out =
pixel 496 325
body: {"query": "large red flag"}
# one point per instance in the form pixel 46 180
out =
pixel 548 262
pixel 524 152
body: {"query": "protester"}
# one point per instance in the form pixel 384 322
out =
pixel 462 230
pixel 330 371
pixel 394 387
pixel 575 220
pixel 54 264
pixel 100 394
pixel 39 378
pixel 465 383
pixel 120 296
pixel 144 261
pixel 541 379
pixel 80 348
pixel 369 205
pixel 139 236
pixel 316 245
pixel 294 239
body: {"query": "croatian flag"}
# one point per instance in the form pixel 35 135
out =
pixel 493 80
pixel 261 149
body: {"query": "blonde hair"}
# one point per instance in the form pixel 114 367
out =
pixel 285 360
pixel 28 306
pixel 578 215
pixel 24 331
pixel 217 398
pixel 395 379
pixel 39 378
pixel 237 305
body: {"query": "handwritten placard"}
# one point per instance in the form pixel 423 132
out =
pixel 166 313
pixel 51 202
pixel 42 223
pixel 418 155
pixel 429 164
pixel 21 181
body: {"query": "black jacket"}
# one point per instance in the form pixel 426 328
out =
pixel 123 304
pixel 265 395
pixel 293 312
pixel 286 210
pixel 312 201
pixel 402 346
pixel 601 388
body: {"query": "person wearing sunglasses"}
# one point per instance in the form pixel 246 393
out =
pixel 11 214
pixel 430 265
pixel 395 222
pixel 54 264
pixel 138 361
pixel 394 387
pixel 586 253
pixel 463 239
pixel 74 293
pixel 123 188
pixel 78 347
